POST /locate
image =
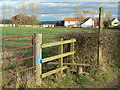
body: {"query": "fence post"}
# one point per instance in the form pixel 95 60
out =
pixel 38 58
pixel 60 62
pixel 72 49
pixel 100 59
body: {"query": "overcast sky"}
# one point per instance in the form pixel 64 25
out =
pixel 52 10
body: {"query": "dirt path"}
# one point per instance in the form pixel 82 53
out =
pixel 115 83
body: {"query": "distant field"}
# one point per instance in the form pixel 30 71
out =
pixel 49 34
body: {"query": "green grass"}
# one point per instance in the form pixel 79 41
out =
pixel 69 80
pixel 49 34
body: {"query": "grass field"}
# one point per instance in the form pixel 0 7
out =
pixel 49 34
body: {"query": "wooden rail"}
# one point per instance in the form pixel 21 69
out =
pixel 58 56
pixel 54 71
pixel 73 64
pixel 57 43
pixel 79 67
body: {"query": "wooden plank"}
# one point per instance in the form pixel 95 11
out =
pixel 54 71
pixel 74 64
pixel 57 43
pixel 57 56
pixel 85 73
pixel 91 12
pixel 73 70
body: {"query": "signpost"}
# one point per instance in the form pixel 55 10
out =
pixel 100 12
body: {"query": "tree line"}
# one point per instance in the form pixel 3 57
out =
pixel 27 13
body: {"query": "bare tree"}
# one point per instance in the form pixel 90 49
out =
pixel 3 13
pixel 108 15
pixel 19 11
pixel 32 7
pixel 78 14
pixel 22 10
pixel 34 10
pixel 10 12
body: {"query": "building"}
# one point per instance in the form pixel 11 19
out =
pixel 82 22
pixel 114 22
pixel 60 23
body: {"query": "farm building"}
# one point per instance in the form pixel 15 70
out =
pixel 83 22
pixel 60 23
pixel 46 24
pixel 114 22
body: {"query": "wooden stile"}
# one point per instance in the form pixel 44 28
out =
pixel 39 60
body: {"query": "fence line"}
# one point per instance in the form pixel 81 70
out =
pixel 39 60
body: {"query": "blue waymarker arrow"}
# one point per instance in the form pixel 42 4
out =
pixel 39 59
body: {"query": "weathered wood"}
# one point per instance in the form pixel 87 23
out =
pixel 73 70
pixel 54 71
pixel 57 43
pixel 57 56
pixel 100 59
pixel 85 73
pixel 79 70
pixel 101 10
pixel 72 49
pixel 74 64
pixel 92 12
pixel 38 51
pixel 60 61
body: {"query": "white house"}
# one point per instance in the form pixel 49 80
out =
pixel 114 22
pixel 83 22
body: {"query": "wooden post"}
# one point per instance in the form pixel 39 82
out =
pixel 38 58
pixel 79 70
pixel 100 59
pixel 61 52
pixel 101 13
pixel 72 49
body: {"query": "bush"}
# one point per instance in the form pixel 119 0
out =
pixel 86 47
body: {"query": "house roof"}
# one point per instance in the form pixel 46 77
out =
pixel 113 19
pixel 75 19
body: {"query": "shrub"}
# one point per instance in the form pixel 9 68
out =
pixel 86 46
